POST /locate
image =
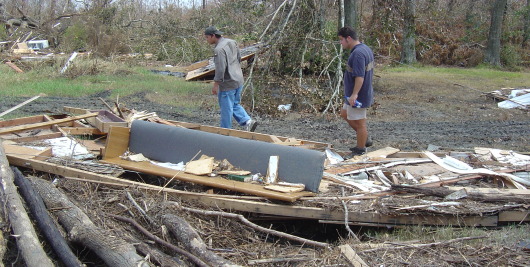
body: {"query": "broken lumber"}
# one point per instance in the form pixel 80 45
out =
pixel 44 221
pixel 185 233
pixel 13 66
pixel 352 256
pixel 43 124
pixel 443 192
pixel 112 250
pixel 20 105
pixel 27 241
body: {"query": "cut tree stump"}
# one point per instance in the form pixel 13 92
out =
pixel 112 250
pixel 27 240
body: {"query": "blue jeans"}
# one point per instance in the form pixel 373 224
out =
pixel 229 103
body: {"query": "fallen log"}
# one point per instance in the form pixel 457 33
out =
pixel 244 220
pixel 155 238
pixel 155 255
pixel 27 240
pixel 112 250
pixel 44 221
pixel 185 233
pixel 443 192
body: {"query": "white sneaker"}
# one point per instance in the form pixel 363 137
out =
pixel 251 125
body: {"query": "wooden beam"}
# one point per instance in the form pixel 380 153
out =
pixel 217 182
pixel 37 137
pixel 43 124
pixel 514 216
pixel 20 105
pixel 82 131
pixel 352 256
pixel 13 66
pixel 353 216
pixel 250 135
pixel 22 121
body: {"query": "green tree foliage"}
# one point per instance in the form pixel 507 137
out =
pixel 74 38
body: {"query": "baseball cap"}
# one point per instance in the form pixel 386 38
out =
pixel 212 30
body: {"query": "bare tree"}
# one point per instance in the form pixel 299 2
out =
pixel 408 51
pixel 350 14
pixel 526 34
pixel 493 50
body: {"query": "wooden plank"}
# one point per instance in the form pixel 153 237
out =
pixel 492 191
pixel 383 152
pixel 82 131
pixel 44 124
pixel 249 135
pixel 85 175
pixel 209 69
pixel 358 217
pixel 247 188
pixel 13 66
pixel 27 152
pixel 37 137
pixel 514 216
pixel 284 189
pixel 20 105
pixel 22 121
pixel 352 256
pixel 197 65
pixel 119 143
pixel 77 111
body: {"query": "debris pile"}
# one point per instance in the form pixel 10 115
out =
pixel 174 202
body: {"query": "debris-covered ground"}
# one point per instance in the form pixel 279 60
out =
pixel 473 122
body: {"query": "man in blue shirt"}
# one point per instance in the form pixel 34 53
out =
pixel 228 80
pixel 357 86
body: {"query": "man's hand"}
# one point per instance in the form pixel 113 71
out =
pixel 215 89
pixel 352 98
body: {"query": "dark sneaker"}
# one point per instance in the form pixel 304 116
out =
pixel 251 125
pixel 369 142
pixel 355 151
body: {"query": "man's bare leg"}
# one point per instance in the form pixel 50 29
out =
pixel 359 126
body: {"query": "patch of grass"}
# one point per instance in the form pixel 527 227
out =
pixel 119 79
pixel 481 78
pixel 506 236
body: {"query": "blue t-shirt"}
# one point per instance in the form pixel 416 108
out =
pixel 360 64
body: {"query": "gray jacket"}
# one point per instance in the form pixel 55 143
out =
pixel 227 61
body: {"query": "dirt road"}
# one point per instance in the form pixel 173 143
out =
pixel 407 127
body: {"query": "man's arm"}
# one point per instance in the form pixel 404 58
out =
pixel 356 88
pixel 220 64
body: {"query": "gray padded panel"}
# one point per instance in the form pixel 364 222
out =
pixel 167 143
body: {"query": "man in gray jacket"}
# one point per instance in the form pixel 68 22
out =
pixel 228 80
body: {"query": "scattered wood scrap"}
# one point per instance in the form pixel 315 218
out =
pixel 384 188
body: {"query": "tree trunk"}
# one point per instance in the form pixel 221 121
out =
pixel 493 49
pixel 470 17
pixel 111 249
pixel 27 240
pixel 408 52
pixel 44 221
pixel 185 233
pixel 350 14
pixel 526 34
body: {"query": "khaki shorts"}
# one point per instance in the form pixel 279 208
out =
pixel 354 113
